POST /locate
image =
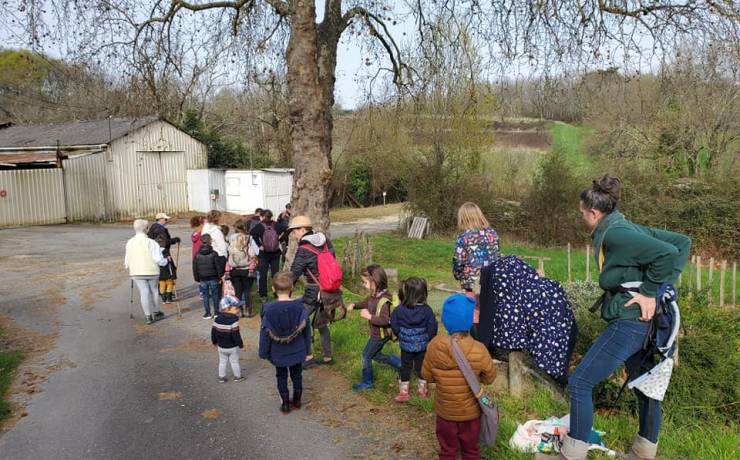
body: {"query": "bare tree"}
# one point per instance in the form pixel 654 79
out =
pixel 288 31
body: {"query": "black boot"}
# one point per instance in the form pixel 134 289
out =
pixel 163 296
pixel 285 406
pixel 297 399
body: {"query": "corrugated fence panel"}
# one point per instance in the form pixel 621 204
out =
pixel 86 187
pixel 31 197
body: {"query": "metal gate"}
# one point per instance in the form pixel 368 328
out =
pixel 32 197
pixel 160 186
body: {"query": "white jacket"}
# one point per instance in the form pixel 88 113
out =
pixel 143 256
pixel 217 238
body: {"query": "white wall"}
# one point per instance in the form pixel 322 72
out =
pixel 248 190
pixel 200 184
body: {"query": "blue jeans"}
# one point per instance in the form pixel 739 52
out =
pixel 373 351
pixel 621 342
pixel 210 290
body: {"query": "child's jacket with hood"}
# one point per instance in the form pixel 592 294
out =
pixel 285 338
pixel 414 326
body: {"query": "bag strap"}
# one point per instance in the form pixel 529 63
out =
pixel 467 371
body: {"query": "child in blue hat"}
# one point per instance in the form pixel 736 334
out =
pixel 457 409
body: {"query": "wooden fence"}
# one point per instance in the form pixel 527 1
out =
pixel 694 271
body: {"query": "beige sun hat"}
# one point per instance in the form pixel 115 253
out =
pixel 300 222
pixel 162 215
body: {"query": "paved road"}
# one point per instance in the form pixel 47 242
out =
pixel 119 389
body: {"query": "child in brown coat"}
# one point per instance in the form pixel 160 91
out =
pixel 376 309
pixel 458 413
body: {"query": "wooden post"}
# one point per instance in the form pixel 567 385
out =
pixel 588 262
pixel 691 279
pixel 698 272
pixel 518 384
pixel 541 266
pixel 569 266
pixel 680 275
pixel 734 283
pixel 709 280
pixel 722 268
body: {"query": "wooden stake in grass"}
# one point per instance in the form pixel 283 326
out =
pixel 722 268
pixel 588 262
pixel 709 280
pixel 734 283
pixel 698 272
pixel 569 266
pixel 691 282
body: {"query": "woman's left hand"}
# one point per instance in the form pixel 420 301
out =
pixel 365 314
pixel 647 306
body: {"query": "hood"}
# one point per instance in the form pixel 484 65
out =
pixel 317 239
pixel 205 249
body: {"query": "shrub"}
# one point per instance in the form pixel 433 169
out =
pixel 551 209
pixel 438 181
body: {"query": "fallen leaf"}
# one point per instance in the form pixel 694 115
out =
pixel 170 395
pixel 211 413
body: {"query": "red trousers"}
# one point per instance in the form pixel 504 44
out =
pixel 454 436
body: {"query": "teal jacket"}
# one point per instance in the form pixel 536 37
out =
pixel 632 252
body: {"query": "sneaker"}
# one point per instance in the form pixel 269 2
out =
pixel 238 379
pixel 363 386
pixel 222 380
pixel 149 319
pixel 207 316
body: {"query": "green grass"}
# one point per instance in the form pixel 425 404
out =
pixel 431 259
pixel 9 361
pixel 569 139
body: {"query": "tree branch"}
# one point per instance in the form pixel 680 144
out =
pixel 386 39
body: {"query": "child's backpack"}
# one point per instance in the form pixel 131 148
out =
pixel 270 240
pixel 387 332
pixel 330 272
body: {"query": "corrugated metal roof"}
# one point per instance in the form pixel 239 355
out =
pixel 70 133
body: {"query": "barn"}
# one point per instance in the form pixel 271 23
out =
pixel 102 170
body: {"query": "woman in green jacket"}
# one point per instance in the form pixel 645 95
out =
pixel 625 252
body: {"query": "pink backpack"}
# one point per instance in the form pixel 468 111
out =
pixel 330 273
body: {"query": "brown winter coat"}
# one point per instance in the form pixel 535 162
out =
pixel 454 401
pixel 380 321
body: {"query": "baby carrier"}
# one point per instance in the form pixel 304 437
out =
pixel 659 344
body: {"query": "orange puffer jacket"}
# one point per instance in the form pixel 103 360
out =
pixel 454 400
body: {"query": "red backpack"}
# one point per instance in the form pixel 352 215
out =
pixel 330 273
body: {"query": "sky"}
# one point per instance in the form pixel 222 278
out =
pixel 351 75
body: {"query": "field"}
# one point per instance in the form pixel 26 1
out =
pixel 681 439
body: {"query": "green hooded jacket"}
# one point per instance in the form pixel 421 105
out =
pixel 632 252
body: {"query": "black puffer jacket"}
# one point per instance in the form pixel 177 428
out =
pixel 305 260
pixel 159 232
pixel 206 265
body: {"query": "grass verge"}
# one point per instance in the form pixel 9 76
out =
pixel 9 361
pixel 680 439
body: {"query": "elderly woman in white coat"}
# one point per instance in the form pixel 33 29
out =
pixel 212 227
pixel 143 259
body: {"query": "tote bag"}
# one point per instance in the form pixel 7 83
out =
pixel 488 408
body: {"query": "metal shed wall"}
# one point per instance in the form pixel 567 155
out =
pixel 147 170
pixel 277 189
pixel 86 188
pixel 32 197
pixel 200 184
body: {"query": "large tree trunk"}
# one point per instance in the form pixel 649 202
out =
pixel 310 134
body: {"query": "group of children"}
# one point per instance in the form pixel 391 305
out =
pixel 285 340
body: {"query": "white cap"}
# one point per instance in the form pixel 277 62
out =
pixel 162 215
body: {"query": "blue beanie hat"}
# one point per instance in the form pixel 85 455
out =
pixel 457 313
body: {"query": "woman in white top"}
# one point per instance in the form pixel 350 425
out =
pixel 142 260
pixel 218 242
